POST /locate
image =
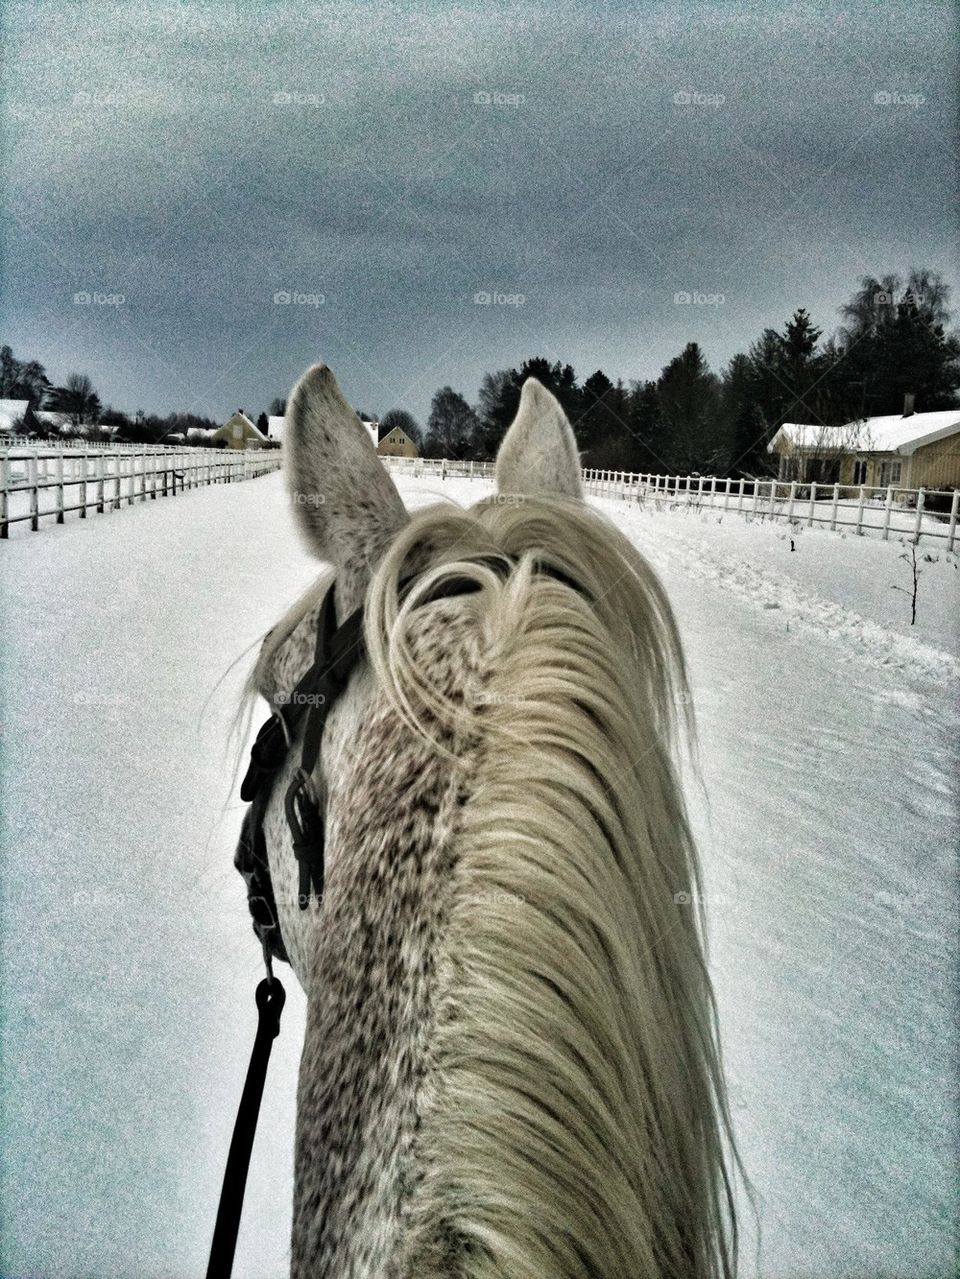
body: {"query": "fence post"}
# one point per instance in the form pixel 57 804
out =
pixel 756 496
pixel 740 495
pixel 833 508
pixel 863 498
pixel 813 499
pixel 773 498
pixel 888 507
pixel 33 479
pixel 83 483
pixel 952 530
pixel 59 489
pixel 117 503
pixel 4 485
pixel 916 530
pixel 791 500
pixel 100 473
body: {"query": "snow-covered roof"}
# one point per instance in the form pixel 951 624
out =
pixel 890 434
pixel 52 418
pixel 10 410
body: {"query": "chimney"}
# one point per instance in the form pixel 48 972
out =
pixel 908 404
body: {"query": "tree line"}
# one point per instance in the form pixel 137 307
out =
pixel 75 408
pixel 893 340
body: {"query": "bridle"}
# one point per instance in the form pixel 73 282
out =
pixel 339 649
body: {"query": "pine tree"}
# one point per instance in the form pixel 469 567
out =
pixel 688 401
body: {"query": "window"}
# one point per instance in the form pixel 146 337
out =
pixel 860 471
pixel 889 473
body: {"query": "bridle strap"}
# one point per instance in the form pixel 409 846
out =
pixel 339 648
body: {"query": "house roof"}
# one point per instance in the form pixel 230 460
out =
pixel 10 410
pixel 241 419
pixel 394 430
pixel 890 434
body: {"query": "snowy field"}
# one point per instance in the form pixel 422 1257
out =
pixel 828 824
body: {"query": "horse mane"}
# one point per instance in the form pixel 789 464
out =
pixel 575 1120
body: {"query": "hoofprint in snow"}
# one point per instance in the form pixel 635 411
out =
pixel 824 802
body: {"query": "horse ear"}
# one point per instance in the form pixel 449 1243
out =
pixel 538 456
pixel 346 504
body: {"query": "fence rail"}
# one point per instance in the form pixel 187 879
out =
pixel 107 479
pixel 920 513
pixel 31 442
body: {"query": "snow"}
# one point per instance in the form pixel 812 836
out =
pixel 827 818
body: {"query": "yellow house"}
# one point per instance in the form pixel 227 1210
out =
pixel 239 433
pixel 397 443
pixel 909 451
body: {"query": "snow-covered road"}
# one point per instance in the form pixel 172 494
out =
pixel 828 821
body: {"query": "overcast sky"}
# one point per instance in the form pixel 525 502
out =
pixel 184 165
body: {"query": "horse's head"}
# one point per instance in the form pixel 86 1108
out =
pixel 373 767
pixel 510 1050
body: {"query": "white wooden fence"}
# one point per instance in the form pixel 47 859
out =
pixel 862 509
pixel 39 480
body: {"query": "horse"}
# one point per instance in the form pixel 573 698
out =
pixel 511 1062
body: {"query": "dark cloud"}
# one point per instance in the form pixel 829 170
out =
pixel 594 160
